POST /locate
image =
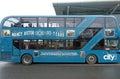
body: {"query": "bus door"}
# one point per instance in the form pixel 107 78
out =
pixel 16 48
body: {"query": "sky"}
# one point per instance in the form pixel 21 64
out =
pixel 31 7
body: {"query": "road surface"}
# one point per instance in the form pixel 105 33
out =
pixel 59 71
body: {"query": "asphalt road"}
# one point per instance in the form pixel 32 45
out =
pixel 59 71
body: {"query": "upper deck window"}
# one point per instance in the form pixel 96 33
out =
pixel 110 23
pixel 73 22
pixel 12 22
pixel 56 22
pixel 78 20
pixel 42 22
pixel 29 22
pixel 70 22
pixel 98 23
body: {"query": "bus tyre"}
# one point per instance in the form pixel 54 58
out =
pixel 27 59
pixel 91 59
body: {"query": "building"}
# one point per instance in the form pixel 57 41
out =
pixel 89 8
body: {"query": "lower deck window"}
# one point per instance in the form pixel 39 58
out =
pixel 111 44
pixel 48 44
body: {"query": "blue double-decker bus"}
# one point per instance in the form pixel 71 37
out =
pixel 60 39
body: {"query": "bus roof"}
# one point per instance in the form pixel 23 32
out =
pixel 63 16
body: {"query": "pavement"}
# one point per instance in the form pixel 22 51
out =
pixel 59 71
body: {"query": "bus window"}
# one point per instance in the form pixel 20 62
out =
pixel 100 45
pixel 56 22
pixel 69 44
pixel 45 43
pixel 112 44
pixel 70 22
pixel 40 44
pixel 91 31
pixel 78 21
pixel 61 44
pixel 33 44
pixel 16 43
pixel 29 22
pixel 25 44
pixel 54 44
pixel 49 46
pixel 57 44
pixel 12 22
pixel 88 33
pixel 42 22
pixel 110 23
pixel 77 44
pixel 98 23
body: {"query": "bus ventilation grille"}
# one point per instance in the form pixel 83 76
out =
pixel 5 56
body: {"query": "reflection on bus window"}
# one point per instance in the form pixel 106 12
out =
pixel 42 22
pixel 12 22
pixel 56 22
pixel 73 22
pixel 110 22
pixel 29 22
pixel 78 20
pixel 98 23
pixel 70 22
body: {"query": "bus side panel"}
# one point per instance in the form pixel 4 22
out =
pixel 6 49
pixel 70 56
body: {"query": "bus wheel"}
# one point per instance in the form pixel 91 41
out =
pixel 91 59
pixel 26 59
